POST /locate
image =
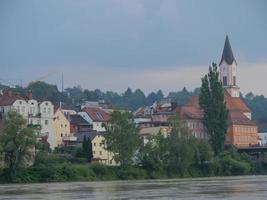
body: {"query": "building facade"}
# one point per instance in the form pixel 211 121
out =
pixel 95 116
pixel 38 115
pixel 62 127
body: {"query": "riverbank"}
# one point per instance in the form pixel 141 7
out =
pixel 61 169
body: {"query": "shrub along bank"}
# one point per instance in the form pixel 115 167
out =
pixel 59 169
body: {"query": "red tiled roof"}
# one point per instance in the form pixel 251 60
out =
pixel 235 103
pixel 237 117
pixel 9 98
pixel 189 112
pixel 97 114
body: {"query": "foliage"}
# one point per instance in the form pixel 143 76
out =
pixel 18 144
pixel 122 138
pixel 258 105
pixel 87 151
pixel 212 102
pixel 175 154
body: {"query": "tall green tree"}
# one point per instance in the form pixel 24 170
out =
pixel 211 100
pixel 18 144
pixel 180 147
pixel 122 138
pixel 87 149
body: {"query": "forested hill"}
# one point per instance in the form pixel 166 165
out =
pixel 130 99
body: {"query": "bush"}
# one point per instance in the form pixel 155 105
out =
pixel 131 173
pixel 104 172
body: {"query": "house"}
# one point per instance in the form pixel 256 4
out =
pixel 147 133
pixel 38 115
pixel 95 116
pixel 79 124
pixel 192 116
pixel 100 154
pixel 62 127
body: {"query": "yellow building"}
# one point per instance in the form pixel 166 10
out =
pixel 62 127
pixel 100 154
pixel 148 132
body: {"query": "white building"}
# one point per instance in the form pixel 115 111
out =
pixel 95 116
pixel 38 114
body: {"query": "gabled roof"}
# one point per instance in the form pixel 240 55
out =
pixel 97 114
pixel 77 119
pixel 238 118
pixel 9 98
pixel 235 103
pixel 227 54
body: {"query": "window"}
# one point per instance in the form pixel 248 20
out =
pixel 110 162
pixel 94 144
pixel 49 110
pixel 224 80
pixel 44 110
pixel 100 153
pixel 46 122
pixel 65 125
pixel 61 134
pixel 61 125
pixel 234 80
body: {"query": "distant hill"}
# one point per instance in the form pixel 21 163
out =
pixel 130 99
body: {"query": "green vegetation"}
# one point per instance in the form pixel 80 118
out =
pixel 176 155
pixel 211 100
pixel 87 149
pixel 122 138
pixel 17 144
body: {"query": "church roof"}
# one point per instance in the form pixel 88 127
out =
pixel 235 103
pixel 227 54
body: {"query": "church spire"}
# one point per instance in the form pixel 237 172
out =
pixel 227 54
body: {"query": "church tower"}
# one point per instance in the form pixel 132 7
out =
pixel 228 67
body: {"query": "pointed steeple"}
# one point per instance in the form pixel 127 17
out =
pixel 227 55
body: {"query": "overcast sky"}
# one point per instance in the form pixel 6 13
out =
pixel 115 44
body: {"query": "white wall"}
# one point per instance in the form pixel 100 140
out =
pixel 47 122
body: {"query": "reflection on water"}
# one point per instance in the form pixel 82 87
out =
pixel 248 187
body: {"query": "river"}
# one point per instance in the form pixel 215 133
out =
pixel 237 188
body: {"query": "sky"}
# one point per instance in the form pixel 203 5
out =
pixel 146 44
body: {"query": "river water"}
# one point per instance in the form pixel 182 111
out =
pixel 238 188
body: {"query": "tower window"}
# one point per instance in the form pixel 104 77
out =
pixel 224 80
pixel 234 80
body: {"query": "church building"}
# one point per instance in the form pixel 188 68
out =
pixel 242 130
